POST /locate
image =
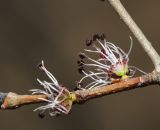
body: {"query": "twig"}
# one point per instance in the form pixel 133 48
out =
pixel 146 44
pixel 124 85
pixel 12 100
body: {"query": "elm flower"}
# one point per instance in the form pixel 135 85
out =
pixel 110 62
pixel 59 98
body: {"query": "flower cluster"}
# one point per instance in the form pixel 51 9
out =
pixel 59 98
pixel 110 62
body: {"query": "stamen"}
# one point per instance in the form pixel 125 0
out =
pixel 81 55
pixel 111 64
pixel 131 45
pixel 56 95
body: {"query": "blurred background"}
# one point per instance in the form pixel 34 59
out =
pixel 55 31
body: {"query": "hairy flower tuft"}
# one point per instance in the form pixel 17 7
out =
pixel 59 98
pixel 110 62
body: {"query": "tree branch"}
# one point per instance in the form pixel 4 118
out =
pixel 12 100
pixel 146 44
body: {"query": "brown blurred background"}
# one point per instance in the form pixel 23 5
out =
pixel 55 31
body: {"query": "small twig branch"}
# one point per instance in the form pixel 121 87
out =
pixel 124 85
pixel 146 44
pixel 12 100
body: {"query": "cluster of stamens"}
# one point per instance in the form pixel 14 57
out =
pixel 103 64
pixel 56 95
pixel 110 62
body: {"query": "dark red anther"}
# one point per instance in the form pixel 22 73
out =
pixel 41 115
pixel 80 62
pixel 40 65
pixel 89 42
pixel 95 37
pixel 82 56
pixel 80 70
